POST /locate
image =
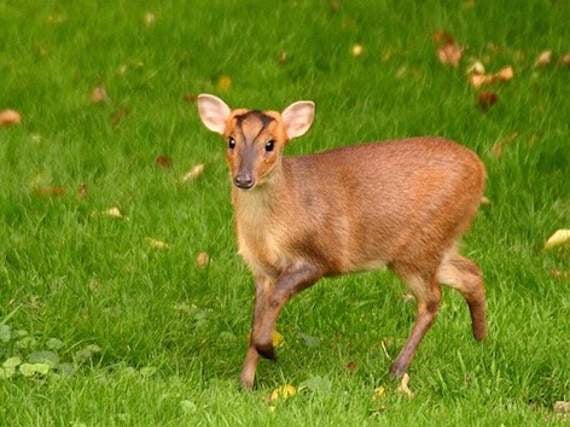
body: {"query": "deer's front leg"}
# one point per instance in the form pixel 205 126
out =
pixel 263 287
pixel 292 281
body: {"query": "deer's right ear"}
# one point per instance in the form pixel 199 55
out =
pixel 213 112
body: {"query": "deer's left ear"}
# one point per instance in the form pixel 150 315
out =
pixel 213 112
pixel 298 118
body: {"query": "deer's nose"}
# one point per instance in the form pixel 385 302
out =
pixel 243 180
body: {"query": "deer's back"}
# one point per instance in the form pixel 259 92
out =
pixel 357 207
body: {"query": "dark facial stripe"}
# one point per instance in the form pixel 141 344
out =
pixel 259 115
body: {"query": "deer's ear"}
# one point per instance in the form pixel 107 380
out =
pixel 298 118
pixel 213 112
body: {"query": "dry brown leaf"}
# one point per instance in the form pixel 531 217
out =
pixel 149 19
pixel 49 191
pixel 403 387
pixel 558 274
pixel 157 244
pixel 118 116
pixel 163 161
pixel 357 50
pixel 560 237
pixel 498 147
pixel 113 212
pixel 544 59
pixel 442 37
pixel 224 83
pixel 505 74
pixel 486 100
pixel 450 54
pixel 562 407
pixel 10 118
pixel 485 200
pixel 193 173
pixel 565 60
pixel 190 98
pixel 352 367
pixel 99 94
pixel 203 259
pixel 282 57
pixel 283 392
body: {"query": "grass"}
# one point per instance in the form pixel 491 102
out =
pixel 69 272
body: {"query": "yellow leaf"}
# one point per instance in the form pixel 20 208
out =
pixel 357 50
pixel 157 244
pixel 403 387
pixel 543 59
pixel 560 237
pixel 113 212
pixel 224 83
pixel 277 339
pixel 283 392
pixel 379 393
pixel 193 173
pixel 203 259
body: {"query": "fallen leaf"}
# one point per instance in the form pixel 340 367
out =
pixel 476 67
pixel 505 74
pixel 560 237
pixel 149 19
pixel 277 339
pixel 498 147
pixel 442 37
pixel 486 100
pixel 562 275
pixel 379 393
pixel 283 392
pixel 113 212
pixel 203 259
pixel 224 83
pixel 403 387
pixel 357 50
pixel 565 60
pixel 352 367
pixel 544 59
pixel 10 118
pixel 282 57
pixel 99 95
pixel 334 6
pixel 118 116
pixel 190 98
pixel 450 53
pixel 163 161
pixel 49 191
pixel 82 191
pixel 561 407
pixel 485 200
pixel 157 244
pixel 193 173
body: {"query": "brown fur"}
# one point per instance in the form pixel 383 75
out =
pixel 403 204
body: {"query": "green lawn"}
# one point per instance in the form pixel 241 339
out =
pixel 171 335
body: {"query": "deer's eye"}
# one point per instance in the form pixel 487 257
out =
pixel 269 145
pixel 231 143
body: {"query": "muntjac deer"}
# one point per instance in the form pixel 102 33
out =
pixel 402 204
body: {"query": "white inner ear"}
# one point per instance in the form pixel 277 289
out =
pixel 298 118
pixel 213 112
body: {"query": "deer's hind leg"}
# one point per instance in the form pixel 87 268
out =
pixel 464 275
pixel 427 292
